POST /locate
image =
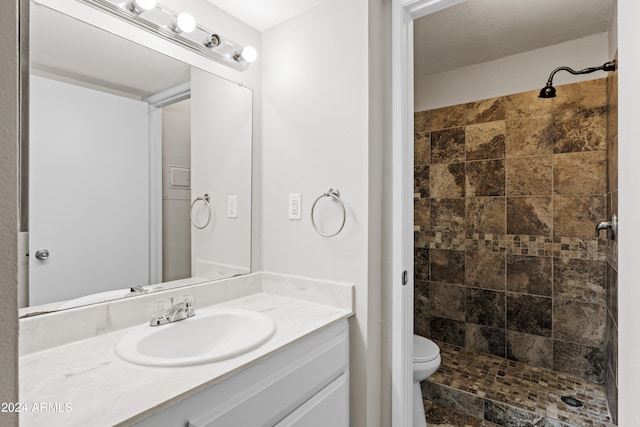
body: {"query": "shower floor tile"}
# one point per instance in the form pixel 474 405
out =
pixel 512 393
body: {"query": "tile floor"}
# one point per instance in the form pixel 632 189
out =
pixel 510 393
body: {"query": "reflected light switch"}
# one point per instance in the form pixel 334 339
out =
pixel 232 207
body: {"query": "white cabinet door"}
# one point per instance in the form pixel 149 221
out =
pixel 330 407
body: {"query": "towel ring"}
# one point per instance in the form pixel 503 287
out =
pixel 206 199
pixel 335 195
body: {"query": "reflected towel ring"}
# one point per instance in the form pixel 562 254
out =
pixel 206 199
pixel 335 195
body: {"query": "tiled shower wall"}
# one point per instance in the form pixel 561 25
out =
pixel 611 347
pixel 508 193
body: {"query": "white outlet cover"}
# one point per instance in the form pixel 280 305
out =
pixel 294 206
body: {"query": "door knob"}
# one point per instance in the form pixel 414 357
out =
pixel 42 254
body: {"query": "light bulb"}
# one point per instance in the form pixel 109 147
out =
pixel 184 23
pixel 248 54
pixel 139 6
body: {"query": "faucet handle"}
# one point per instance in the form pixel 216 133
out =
pixel 188 300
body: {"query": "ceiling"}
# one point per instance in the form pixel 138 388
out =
pixel 264 14
pixel 478 31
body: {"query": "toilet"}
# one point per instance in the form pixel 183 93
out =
pixel 426 360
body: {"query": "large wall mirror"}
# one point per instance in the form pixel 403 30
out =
pixel 139 169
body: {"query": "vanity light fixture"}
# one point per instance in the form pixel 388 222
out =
pixel 178 28
pixel 183 23
pixel 140 6
pixel 248 54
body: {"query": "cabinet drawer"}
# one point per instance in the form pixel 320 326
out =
pixel 272 398
pixel 330 407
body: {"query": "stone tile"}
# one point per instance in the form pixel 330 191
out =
pixel 421 122
pixel 485 178
pixel 485 270
pixel 448 117
pixel 421 181
pixel 421 308
pixel 421 263
pixel 529 136
pixel 529 274
pixel 576 216
pixel 579 280
pixel 529 314
pixel 447 301
pixel 533 350
pixel 580 130
pixel 579 322
pixel 447 266
pixel 438 415
pixel 506 415
pixel 486 140
pixel 580 173
pixel 487 110
pixel 612 105
pixel 485 307
pixel 529 215
pixel 611 347
pixel 422 148
pixel 421 214
pixel 485 339
pixel 447 180
pixel 486 215
pixel 447 146
pixel 579 360
pixel 611 391
pixel 448 215
pixel 612 292
pixel 526 104
pixel 612 164
pixel 458 401
pixel 529 176
pixel 447 330
pixel 581 95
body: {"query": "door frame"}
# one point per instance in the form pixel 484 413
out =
pixel 404 12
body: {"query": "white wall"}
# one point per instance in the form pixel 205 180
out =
pixel 629 212
pixel 315 137
pixel 88 191
pixel 220 167
pixel 176 225
pixel 9 134
pixel 512 74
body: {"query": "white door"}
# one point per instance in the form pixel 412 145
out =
pixel 88 191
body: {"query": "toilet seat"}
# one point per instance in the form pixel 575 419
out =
pixel 424 350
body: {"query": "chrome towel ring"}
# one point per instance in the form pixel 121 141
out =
pixel 206 199
pixel 335 195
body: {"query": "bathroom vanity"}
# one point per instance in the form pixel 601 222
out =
pixel 71 374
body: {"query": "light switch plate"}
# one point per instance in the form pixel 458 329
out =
pixel 232 207
pixel 294 206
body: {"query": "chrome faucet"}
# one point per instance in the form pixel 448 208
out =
pixel 176 312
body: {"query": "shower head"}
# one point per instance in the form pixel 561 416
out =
pixel 550 92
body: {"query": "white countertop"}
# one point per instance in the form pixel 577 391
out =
pixel 84 383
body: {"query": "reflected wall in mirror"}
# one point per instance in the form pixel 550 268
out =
pixel 124 144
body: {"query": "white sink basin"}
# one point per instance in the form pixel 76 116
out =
pixel 209 336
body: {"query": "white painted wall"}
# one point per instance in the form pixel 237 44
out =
pixel 220 167
pixel 512 74
pixel 316 137
pixel 9 134
pixel 176 225
pixel 629 212
pixel 88 191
